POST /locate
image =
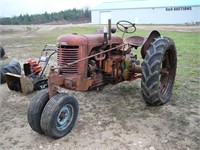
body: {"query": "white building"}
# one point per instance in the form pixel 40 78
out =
pixel 148 12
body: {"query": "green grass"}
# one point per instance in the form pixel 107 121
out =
pixel 188 67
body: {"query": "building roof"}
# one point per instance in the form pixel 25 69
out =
pixel 129 4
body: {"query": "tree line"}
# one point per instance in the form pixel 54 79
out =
pixel 68 15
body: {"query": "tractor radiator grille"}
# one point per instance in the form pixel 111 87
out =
pixel 68 54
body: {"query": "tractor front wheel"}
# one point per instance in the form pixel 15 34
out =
pixel 35 110
pixel 158 71
pixel 59 115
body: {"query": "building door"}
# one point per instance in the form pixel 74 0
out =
pixel 105 15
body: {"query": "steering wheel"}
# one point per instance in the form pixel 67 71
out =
pixel 126 26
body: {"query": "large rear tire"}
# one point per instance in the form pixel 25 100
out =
pixel 158 71
pixel 59 115
pixel 35 110
pixel 12 67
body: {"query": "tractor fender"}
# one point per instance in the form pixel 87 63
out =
pixel 150 38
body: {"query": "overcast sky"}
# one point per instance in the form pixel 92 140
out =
pixel 10 8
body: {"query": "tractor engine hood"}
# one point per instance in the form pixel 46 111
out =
pixel 86 39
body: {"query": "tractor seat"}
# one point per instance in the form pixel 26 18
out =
pixel 134 41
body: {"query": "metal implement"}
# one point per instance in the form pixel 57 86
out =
pixel 34 77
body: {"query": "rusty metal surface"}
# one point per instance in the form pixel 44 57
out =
pixel 154 34
pixel 54 80
pixel 108 65
pixel 135 40
pixel 73 68
pixel 72 39
pixel 89 40
pixel 68 81
pixel 93 55
pixel 85 62
pixel 68 54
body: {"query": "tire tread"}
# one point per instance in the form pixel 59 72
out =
pixel 151 71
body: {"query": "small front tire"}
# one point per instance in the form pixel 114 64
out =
pixel 35 110
pixel 59 115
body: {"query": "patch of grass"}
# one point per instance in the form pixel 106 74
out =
pixel 129 127
pixel 183 121
pixel 180 121
pixel 106 123
pixel 144 115
pixel 194 113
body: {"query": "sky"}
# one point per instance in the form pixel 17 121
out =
pixel 11 8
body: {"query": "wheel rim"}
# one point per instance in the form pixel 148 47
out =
pixel 65 117
pixel 167 78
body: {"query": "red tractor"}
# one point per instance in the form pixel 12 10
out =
pixel 91 61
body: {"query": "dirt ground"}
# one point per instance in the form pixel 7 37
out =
pixel 112 119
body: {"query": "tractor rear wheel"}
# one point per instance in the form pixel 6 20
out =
pixel 158 71
pixel 59 115
pixel 35 110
